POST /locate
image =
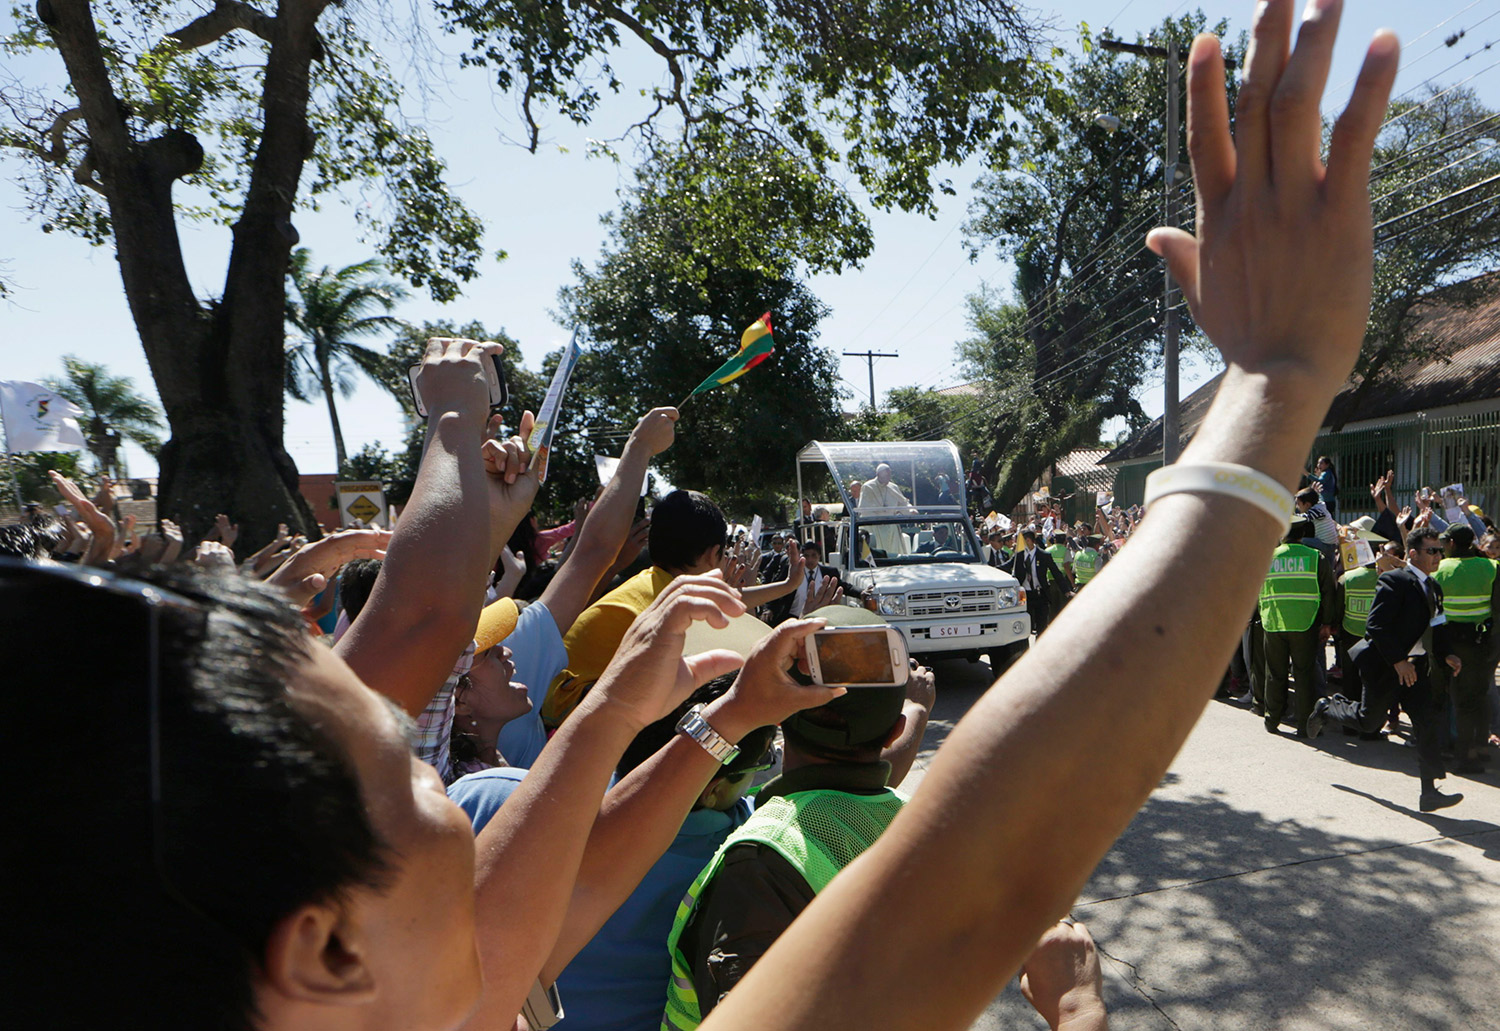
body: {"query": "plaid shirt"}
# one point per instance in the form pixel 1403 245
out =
pixel 435 724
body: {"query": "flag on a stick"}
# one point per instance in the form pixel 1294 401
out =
pixel 756 345
pixel 37 418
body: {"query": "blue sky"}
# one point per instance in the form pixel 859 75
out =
pixel 544 210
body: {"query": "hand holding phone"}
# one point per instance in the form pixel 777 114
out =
pixel 494 374
pixel 858 656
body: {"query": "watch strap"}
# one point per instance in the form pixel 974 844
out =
pixel 715 744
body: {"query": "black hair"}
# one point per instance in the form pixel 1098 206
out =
pixel 815 546
pixel 1420 534
pixel 356 581
pixel 684 525
pixel 523 541
pixel 657 735
pixel 167 903
pixel 32 539
pixel 1308 496
pixel 1030 535
pixel 1300 529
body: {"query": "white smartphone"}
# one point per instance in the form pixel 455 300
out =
pixel 494 374
pixel 858 656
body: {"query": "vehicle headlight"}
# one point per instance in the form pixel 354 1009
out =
pixel 1009 597
pixel 891 604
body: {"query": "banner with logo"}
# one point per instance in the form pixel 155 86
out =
pixel 37 418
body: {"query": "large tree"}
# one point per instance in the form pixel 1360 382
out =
pixel 329 310
pixel 113 411
pixel 709 237
pixel 235 99
pixel 1071 208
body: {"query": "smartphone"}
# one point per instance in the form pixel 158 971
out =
pixel 858 656
pixel 494 375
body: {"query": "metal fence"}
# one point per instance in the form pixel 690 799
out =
pixel 1424 453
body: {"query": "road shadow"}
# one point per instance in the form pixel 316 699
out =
pixel 1283 924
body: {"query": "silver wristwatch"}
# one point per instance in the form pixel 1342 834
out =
pixel 715 744
pixel 543 1007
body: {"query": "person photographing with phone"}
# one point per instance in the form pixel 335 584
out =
pixel 832 800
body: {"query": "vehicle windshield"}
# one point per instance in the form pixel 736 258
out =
pixel 881 479
pixel 915 542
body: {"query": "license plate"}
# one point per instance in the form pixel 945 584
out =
pixel 961 630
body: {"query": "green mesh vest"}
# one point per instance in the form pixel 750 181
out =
pixel 819 832
pixel 1085 565
pixel 1466 584
pixel 1059 553
pixel 1289 598
pixel 1359 595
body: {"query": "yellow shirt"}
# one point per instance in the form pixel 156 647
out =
pixel 596 636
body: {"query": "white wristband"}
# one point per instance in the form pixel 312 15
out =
pixel 1238 481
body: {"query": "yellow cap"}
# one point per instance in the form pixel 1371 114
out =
pixel 496 621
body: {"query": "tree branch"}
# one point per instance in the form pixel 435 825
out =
pixel 672 55
pixel 226 16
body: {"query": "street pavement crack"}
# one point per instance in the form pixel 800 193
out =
pixel 1139 984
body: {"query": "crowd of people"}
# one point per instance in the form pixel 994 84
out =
pixel 505 791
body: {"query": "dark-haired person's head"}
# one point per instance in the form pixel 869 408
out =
pixel 812 553
pixel 734 777
pixel 1306 498
pixel 291 863
pixel 853 728
pixel 687 533
pixel 356 581
pixel 1299 530
pixel 33 539
pixel 1459 541
pixel 1424 549
pixel 1029 537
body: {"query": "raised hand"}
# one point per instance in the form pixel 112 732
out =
pixel 172 534
pixel 764 693
pixel 213 555
pixel 225 531
pixel 828 592
pixel 656 430
pixel 453 379
pixel 1062 979
pixel 100 526
pixel 649 676
pixel 511 481
pixel 309 570
pixel 1254 286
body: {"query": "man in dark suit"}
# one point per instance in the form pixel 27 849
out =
pixel 1038 574
pixel 1405 633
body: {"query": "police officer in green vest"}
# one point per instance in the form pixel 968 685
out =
pixel 1088 562
pixel 830 804
pixel 1063 558
pixel 1471 593
pixel 1352 598
pixel 1296 603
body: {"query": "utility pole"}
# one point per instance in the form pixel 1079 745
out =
pixel 869 357
pixel 1170 419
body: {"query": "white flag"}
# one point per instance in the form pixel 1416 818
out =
pixel 39 419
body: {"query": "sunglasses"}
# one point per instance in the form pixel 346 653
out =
pixel 1432 551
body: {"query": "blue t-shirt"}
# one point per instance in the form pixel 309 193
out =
pixel 618 981
pixel 538 652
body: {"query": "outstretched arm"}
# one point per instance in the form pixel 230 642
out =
pixel 425 605
pixel 1279 278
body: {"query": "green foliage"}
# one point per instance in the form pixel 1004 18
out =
pixel 169 80
pixel 888 88
pixel 330 310
pixel 1085 326
pixel 31 469
pixel 112 409
pixel 1437 218
pixel 672 292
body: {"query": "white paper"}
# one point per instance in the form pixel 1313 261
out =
pixel 755 525
pixel 606 466
pixel 540 442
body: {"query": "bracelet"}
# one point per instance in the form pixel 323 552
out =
pixel 1237 481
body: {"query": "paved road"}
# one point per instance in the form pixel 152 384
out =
pixel 1273 883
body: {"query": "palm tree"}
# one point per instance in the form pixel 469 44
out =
pixel 112 410
pixel 330 309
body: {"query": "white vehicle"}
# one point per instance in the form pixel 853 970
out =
pixel 893 516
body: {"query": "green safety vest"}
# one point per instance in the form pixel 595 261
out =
pixel 819 832
pixel 1289 598
pixel 1085 565
pixel 1466 584
pixel 1061 556
pixel 1359 595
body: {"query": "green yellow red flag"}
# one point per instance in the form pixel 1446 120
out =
pixel 756 345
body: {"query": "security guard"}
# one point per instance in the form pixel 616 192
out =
pixel 1295 600
pixel 1352 598
pixel 1471 593
pixel 1088 562
pixel 1064 560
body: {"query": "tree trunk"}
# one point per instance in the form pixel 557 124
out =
pixel 219 373
pixel 340 454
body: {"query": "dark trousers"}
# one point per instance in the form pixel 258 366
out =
pixel 1299 650
pixel 1040 611
pixel 1469 690
pixel 1381 689
pixel 1343 640
pixel 1255 651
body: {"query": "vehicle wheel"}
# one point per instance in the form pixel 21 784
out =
pixel 1002 659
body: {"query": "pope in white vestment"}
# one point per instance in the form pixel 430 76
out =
pixel 881 497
